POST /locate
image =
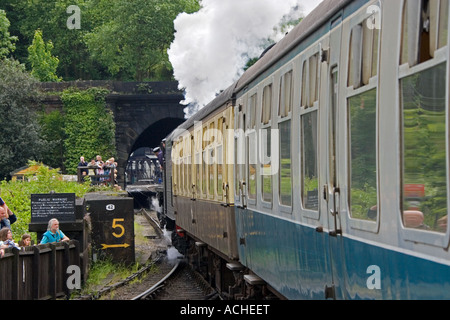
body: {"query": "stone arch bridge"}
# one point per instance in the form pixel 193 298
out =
pixel 144 112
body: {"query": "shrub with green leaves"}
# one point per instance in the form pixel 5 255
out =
pixel 89 126
pixel 17 194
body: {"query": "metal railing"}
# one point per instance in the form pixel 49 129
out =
pixel 96 179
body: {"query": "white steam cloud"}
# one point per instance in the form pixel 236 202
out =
pixel 213 45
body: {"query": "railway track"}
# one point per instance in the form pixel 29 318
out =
pixel 180 283
pixel 166 276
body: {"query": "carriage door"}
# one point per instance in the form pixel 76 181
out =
pixel 331 190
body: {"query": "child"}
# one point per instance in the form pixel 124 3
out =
pixel 7 239
pixel 25 241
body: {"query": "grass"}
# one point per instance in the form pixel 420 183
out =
pixel 103 273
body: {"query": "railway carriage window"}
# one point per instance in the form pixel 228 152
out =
pixel 252 113
pixel 189 165
pixel 211 172
pixel 286 95
pixel 205 174
pixel 363 59
pixel 204 155
pixel 266 105
pixel 252 150
pixel 252 161
pixel 266 165
pixel 219 158
pixel 211 159
pixel 363 155
pixel 219 172
pixel 175 168
pixel 310 172
pixel 239 151
pixel 285 163
pixel 425 148
pixel 265 133
pixel 198 173
pixel 424 30
pixel 310 81
pixel 182 179
pixel 198 161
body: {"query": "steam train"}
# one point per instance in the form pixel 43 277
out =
pixel 323 172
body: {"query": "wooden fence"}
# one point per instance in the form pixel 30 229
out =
pixel 39 271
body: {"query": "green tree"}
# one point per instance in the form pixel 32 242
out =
pixel 133 39
pixel 43 64
pixel 6 40
pixel 19 131
pixel 51 17
pixel 122 38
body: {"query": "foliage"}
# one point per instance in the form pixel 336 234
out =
pixel 133 39
pixel 43 64
pixel 19 133
pixel 51 17
pixel 6 40
pixel 88 126
pixel 17 194
pixel 124 39
pixel 52 131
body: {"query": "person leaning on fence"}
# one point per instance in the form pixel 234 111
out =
pixel 25 241
pixel 7 217
pixel 83 163
pixel 53 234
pixel 7 238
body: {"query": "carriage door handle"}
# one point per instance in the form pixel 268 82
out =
pixel 335 211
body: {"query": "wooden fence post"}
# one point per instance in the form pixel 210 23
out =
pixel 66 264
pixel 36 271
pixel 15 275
pixel 52 271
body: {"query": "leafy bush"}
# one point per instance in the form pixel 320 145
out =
pixel 89 126
pixel 17 194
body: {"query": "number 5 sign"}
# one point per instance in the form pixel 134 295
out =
pixel 112 220
pixel 116 225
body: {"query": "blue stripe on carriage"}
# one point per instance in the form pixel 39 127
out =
pixel 295 260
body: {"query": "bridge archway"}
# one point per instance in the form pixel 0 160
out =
pixel 141 153
pixel 144 112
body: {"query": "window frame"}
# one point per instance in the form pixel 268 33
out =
pixel 305 109
pixel 282 117
pixel 266 115
pixel 432 238
pixel 350 92
pixel 251 133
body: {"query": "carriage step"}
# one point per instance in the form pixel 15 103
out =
pixel 200 244
pixel 235 266
pixel 253 280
